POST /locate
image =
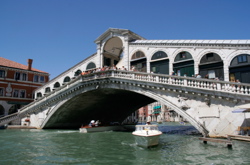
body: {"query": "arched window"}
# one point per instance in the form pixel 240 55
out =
pixel 66 79
pixel 139 61
pixel 211 66
pixel 138 55
pixel 1 110
pixel 240 68
pixel 183 64
pixel 183 56
pixel 159 55
pixel 57 85
pixel 47 90
pixel 39 94
pixel 78 72
pixel 91 65
pixel 160 64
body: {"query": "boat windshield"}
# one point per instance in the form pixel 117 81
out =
pixel 146 127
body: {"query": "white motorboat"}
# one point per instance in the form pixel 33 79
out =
pixel 88 129
pixel 147 135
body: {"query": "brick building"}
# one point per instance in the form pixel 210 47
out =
pixel 17 84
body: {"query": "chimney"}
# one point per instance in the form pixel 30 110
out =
pixel 29 63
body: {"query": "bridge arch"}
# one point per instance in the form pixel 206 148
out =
pixel 115 93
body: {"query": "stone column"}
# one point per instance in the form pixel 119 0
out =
pixel 126 52
pixel 99 54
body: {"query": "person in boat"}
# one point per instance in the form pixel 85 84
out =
pixel 97 123
pixel 92 123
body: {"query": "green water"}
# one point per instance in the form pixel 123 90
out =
pixel 112 148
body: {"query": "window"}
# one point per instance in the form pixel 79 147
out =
pixel 41 78
pixel 2 73
pixel 24 77
pixel 1 91
pixel 36 78
pixel 16 93
pixel 17 76
pixel 183 55
pixel 22 93
pixel 158 55
pixel 47 90
pixel 138 54
pixel 242 58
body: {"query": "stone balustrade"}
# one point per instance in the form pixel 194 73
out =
pixel 229 88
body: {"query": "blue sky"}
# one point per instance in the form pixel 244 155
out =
pixel 57 34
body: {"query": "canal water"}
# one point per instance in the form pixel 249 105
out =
pixel 53 147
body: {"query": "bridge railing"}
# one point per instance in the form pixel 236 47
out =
pixel 199 83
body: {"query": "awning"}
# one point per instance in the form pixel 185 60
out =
pixel 241 110
pixel 157 107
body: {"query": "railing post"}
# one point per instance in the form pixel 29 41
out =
pixel 133 76
pixel 185 82
pixel 157 78
pixel 218 86
pixel 112 73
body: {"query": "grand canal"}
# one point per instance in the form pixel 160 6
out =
pixel 113 148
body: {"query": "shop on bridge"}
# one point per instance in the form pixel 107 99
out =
pixel 184 64
pixel 240 68
pixel 211 65
pixel 139 61
pixel 159 63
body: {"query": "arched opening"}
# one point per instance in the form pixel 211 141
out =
pixel 240 68
pixel 57 85
pixel 183 64
pixel 211 65
pixel 78 72
pixel 112 52
pixel 139 61
pixel 91 65
pixel 159 63
pixel 39 94
pixel 66 79
pixel 14 108
pixel 47 90
pixel 1 111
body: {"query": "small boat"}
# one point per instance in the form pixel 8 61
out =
pixel 147 135
pixel 88 129
pixel 4 126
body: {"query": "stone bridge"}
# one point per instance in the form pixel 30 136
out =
pixel 114 94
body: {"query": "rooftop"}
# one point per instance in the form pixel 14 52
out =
pixel 12 64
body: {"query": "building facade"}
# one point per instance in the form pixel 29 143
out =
pixel 17 84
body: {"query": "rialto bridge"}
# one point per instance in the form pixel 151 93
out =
pixel 72 99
